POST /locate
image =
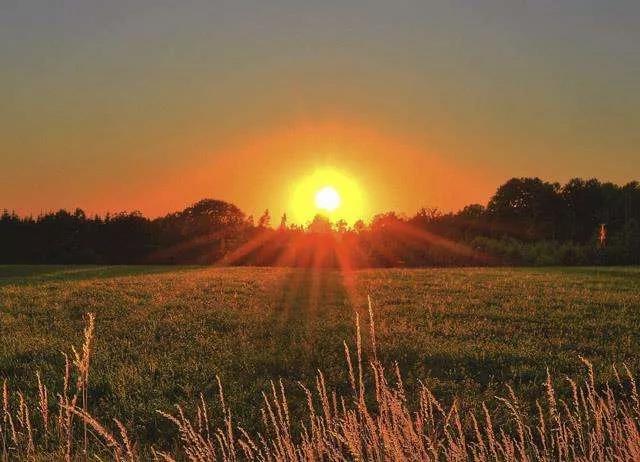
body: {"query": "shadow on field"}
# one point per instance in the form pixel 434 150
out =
pixel 304 292
pixel 35 274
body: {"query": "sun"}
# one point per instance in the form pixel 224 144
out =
pixel 327 191
pixel 328 199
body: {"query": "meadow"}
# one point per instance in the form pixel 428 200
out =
pixel 163 334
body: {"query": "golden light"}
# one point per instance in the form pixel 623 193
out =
pixel 328 199
pixel 330 192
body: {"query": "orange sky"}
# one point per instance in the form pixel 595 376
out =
pixel 259 172
pixel 153 105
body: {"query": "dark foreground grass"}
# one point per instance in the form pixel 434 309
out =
pixel 164 333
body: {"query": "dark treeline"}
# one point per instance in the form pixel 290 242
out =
pixel 527 221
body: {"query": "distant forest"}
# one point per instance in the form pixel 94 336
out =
pixel 527 222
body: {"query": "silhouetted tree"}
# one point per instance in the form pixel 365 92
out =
pixel 283 222
pixel 320 224
pixel 527 221
pixel 265 220
pixel 529 206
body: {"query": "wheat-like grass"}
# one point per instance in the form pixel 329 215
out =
pixel 383 422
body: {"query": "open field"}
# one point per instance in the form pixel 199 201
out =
pixel 164 333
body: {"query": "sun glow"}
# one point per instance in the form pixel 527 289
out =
pixel 328 199
pixel 329 192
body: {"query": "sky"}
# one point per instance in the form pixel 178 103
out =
pixel 151 105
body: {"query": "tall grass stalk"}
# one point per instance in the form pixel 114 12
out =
pixel 373 423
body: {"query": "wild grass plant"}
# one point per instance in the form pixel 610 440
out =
pixel 376 420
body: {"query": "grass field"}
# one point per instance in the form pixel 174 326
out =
pixel 164 333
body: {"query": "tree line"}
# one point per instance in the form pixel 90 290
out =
pixel 527 221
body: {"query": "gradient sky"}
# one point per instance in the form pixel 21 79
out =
pixel 152 105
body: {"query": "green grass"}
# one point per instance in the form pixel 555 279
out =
pixel 164 333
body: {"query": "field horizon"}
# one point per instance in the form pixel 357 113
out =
pixel 163 334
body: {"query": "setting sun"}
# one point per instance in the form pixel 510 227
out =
pixel 327 191
pixel 328 199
